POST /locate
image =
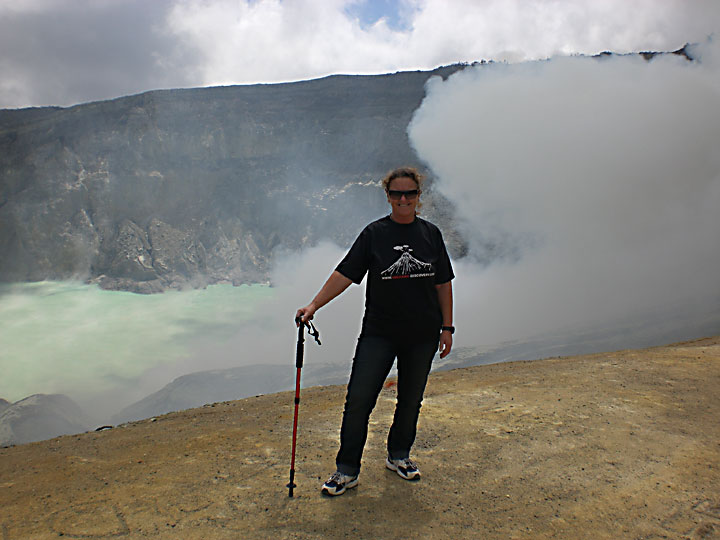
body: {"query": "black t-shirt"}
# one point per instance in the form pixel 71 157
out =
pixel 404 262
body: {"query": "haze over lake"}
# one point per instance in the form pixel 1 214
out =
pixel 77 339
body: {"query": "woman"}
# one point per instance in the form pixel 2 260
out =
pixel 408 316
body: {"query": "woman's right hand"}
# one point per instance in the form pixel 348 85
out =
pixel 305 314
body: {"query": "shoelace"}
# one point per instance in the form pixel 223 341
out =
pixel 336 477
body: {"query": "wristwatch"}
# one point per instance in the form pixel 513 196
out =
pixel 450 329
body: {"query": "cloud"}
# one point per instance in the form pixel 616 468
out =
pixel 63 53
pixel 523 30
pixel 397 14
pixel 269 40
pixel 60 52
pixel 593 182
pixel 273 41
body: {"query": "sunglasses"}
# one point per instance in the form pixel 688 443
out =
pixel 396 194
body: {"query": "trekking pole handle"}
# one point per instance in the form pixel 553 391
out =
pixel 314 332
pixel 300 345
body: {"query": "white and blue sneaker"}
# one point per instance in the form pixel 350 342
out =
pixel 338 483
pixel 406 468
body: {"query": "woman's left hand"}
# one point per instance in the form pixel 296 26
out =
pixel 446 341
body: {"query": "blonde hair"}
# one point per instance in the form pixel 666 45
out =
pixel 404 172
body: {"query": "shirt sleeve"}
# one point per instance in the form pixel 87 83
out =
pixel 443 270
pixel 357 261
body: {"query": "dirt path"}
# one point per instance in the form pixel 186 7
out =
pixel 613 445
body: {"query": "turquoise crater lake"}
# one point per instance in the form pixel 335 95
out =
pixel 66 337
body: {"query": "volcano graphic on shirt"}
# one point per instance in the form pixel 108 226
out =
pixel 407 266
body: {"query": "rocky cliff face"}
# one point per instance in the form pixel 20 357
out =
pixel 190 187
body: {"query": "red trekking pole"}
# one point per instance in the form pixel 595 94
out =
pixel 298 364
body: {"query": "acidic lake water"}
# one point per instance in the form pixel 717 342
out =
pixel 60 337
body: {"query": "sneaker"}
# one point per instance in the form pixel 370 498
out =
pixel 338 483
pixel 406 468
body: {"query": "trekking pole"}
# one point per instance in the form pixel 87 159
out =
pixel 298 364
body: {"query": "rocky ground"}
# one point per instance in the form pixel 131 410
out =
pixel 613 445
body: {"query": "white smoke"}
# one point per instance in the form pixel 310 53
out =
pixel 269 337
pixel 298 277
pixel 597 181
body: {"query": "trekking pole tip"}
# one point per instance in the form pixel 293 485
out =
pixel 291 484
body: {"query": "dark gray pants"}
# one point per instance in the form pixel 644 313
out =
pixel 374 357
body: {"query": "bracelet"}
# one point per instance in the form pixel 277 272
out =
pixel 450 329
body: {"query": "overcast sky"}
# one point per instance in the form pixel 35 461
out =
pixel 63 52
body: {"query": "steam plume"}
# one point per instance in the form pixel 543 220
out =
pixel 592 186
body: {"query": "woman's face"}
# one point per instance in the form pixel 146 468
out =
pixel 403 207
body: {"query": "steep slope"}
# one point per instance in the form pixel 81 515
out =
pixel 200 388
pixel 610 445
pixel 39 417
